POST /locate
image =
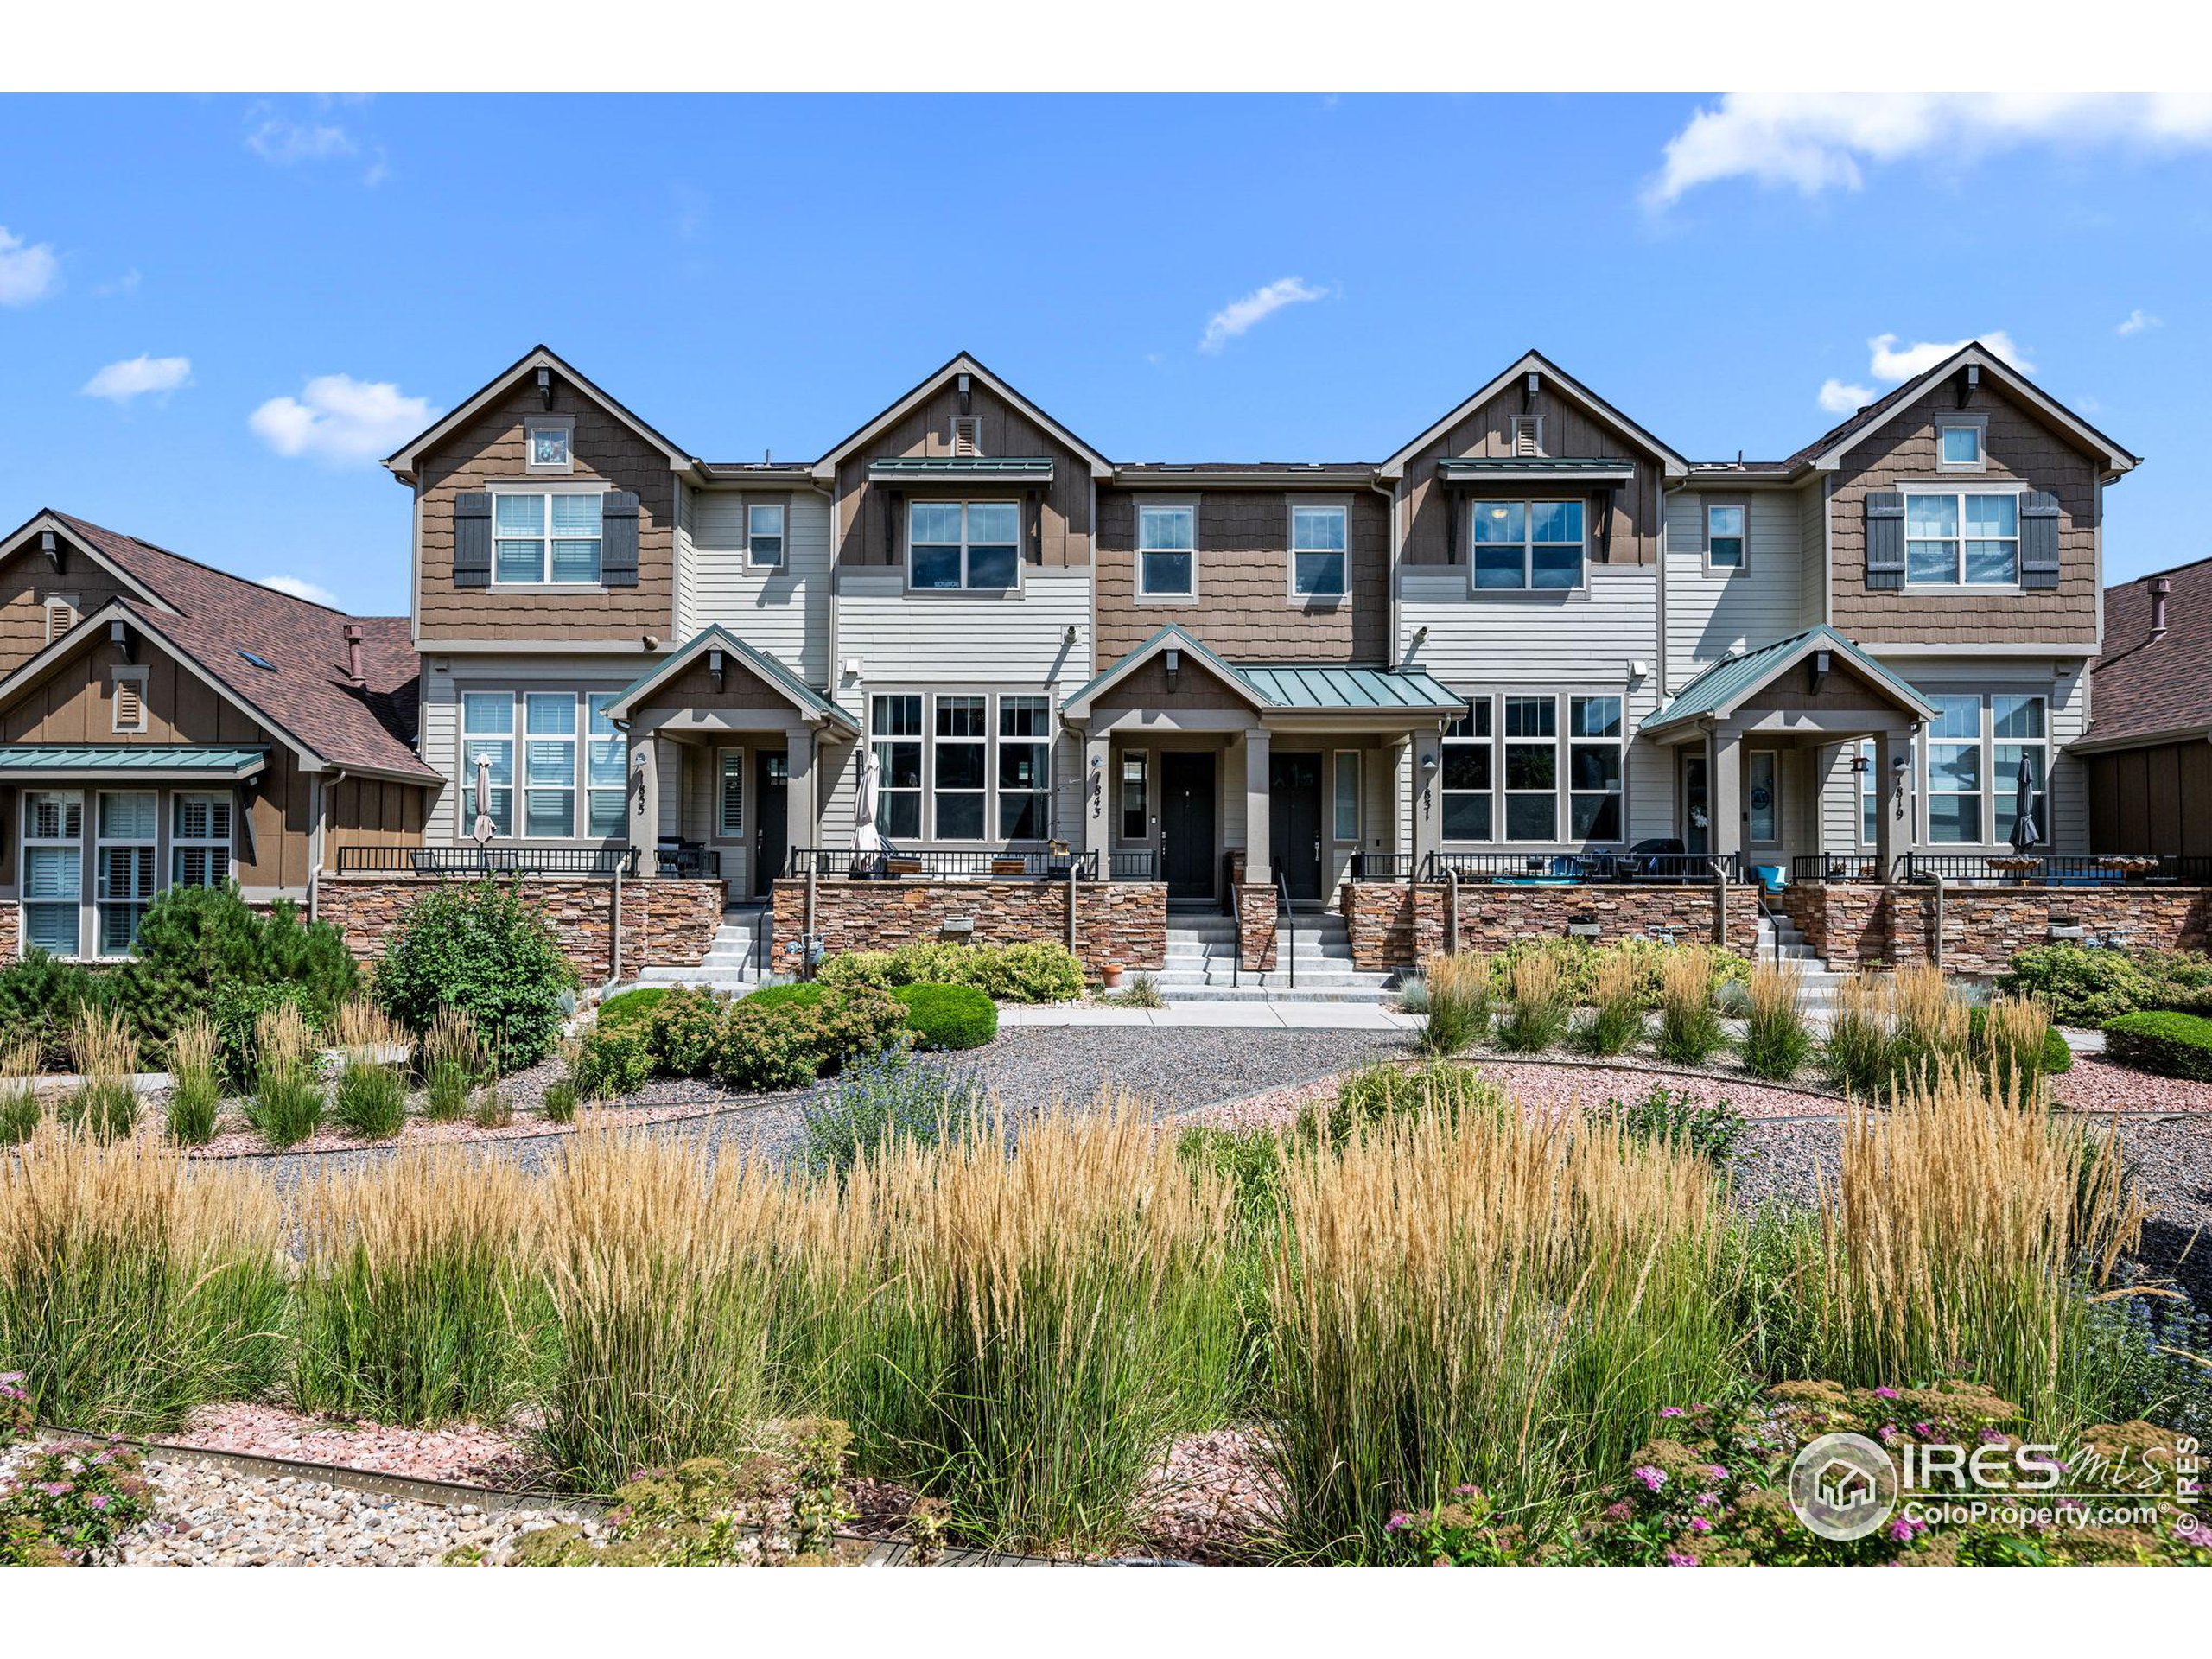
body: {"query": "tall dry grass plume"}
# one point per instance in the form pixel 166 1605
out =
pixel 1615 1021
pixel 105 1055
pixel 1032 1325
pixel 1491 1299
pixel 1858 1051
pixel 371 1098
pixel 1929 1021
pixel 19 1103
pixel 135 1287
pixel 2016 1035
pixel 195 1080
pixel 288 1098
pixel 1776 1041
pixel 1459 988
pixel 1689 1022
pixel 1953 1234
pixel 450 1058
pixel 415 1294
pixel 1537 1015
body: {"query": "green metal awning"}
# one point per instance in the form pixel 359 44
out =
pixel 1521 469
pixel 1719 690
pixel 964 468
pixel 63 762
pixel 1352 690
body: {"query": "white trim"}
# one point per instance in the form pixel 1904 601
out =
pixel 135 678
pixel 2116 460
pixel 79 542
pixel 1741 535
pixel 827 466
pixel 1529 544
pixel 782 509
pixel 546 492
pixel 1977 420
pixel 1295 505
pixel 1960 541
pixel 967 545
pixel 1144 595
pixel 401 460
pixel 565 426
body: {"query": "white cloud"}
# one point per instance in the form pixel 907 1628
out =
pixel 1893 362
pixel 380 169
pixel 126 284
pixel 1238 315
pixel 2138 322
pixel 300 588
pixel 1824 142
pixel 336 418
pixel 1837 399
pixel 135 377
pixel 284 143
pixel 26 273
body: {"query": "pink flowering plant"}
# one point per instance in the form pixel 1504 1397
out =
pixel 1710 1488
pixel 71 1502
pixel 16 1420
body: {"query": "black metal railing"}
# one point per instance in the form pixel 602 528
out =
pixel 939 864
pixel 603 862
pixel 1286 925
pixel 687 860
pixel 1142 864
pixel 1384 867
pixel 1577 869
pixel 1835 866
pixel 2057 869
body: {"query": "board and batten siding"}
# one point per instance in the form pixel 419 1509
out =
pixel 782 611
pixel 1709 612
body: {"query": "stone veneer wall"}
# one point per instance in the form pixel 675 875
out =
pixel 668 923
pixel 11 917
pixel 1853 924
pixel 1257 911
pixel 1116 921
pixel 1393 925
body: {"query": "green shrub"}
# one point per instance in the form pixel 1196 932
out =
pixel 765 1049
pixel 206 950
pixel 2082 987
pixel 1250 1159
pixel 884 1099
pixel 858 1022
pixel 684 1030
pixel 1669 1117
pixel 2171 1045
pixel 948 1016
pixel 486 951
pixel 1039 971
pixel 1373 1095
pixel 631 1007
pixel 39 996
pixel 559 1103
pixel 76 1498
pixel 2057 1056
pixel 784 996
pixel 611 1060
pixel 236 1009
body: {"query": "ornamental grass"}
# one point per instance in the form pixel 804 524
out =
pixel 1615 1022
pixel 1536 1018
pixel 416 1295
pixel 1022 1332
pixel 1690 1031
pixel 105 1103
pixel 195 1080
pixel 20 1111
pixel 1776 1041
pixel 288 1097
pixel 1458 990
pixel 1489 1299
pixel 450 1058
pixel 134 1288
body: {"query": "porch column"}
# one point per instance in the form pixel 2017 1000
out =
pixel 1888 749
pixel 645 799
pixel 1725 770
pixel 1258 842
pixel 799 746
pixel 1096 830
pixel 1421 794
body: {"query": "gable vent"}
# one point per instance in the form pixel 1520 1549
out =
pixel 967 435
pixel 130 706
pixel 1528 435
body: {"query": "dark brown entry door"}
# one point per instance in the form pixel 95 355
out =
pixel 1187 828
pixel 1294 822
pixel 771 816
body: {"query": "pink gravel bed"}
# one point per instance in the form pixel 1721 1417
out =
pixel 461 1452
pixel 2099 1086
pixel 1210 1501
pixel 1540 1084
pixel 238 1138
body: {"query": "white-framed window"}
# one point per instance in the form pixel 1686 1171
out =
pixel 764 533
pixel 1724 535
pixel 541 536
pixel 130 822
pixel 2019 730
pixel 548 445
pixel 1594 768
pixel 971 545
pixel 1957 780
pixel 53 870
pixel 62 613
pixel 1345 801
pixel 1167 551
pixel 127 703
pixel 1136 795
pixel 1468 777
pixel 549 764
pixel 1320 539
pixel 1531 768
pixel 896 727
pixel 1025 767
pixel 1523 545
pixel 487 734
pixel 1962 538
pixel 1959 445
pixel 606 770
pixel 730 795
pixel 959 779
pixel 200 839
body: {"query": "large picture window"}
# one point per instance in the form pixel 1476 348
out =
pixel 54 871
pixel 2019 731
pixel 952 545
pixel 1319 537
pixel 545 536
pixel 963 737
pixel 1025 767
pixel 1956 778
pixel 1538 767
pixel 1962 538
pixel 1167 557
pixel 1975 749
pixel 129 822
pixel 1593 769
pixel 1528 544
pixel 487 734
pixel 549 766
pixel 574 764
pixel 1467 774
pixel 895 726
pixel 1531 768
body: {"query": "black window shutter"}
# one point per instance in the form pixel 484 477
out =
pixel 2038 539
pixel 618 539
pixel 1884 539
pixel 471 540
pixel 1601 521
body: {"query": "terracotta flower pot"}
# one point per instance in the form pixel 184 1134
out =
pixel 1112 975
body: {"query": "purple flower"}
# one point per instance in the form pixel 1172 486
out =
pixel 1904 1528
pixel 1653 1478
pixel 1398 1522
pixel 1887 1393
pixel 1670 1411
pixel 98 1500
pixel 1923 1429
pixel 1717 1471
pixel 1466 1489
pixel 1990 1436
pixel 55 1488
pixel 1698 1524
pixel 1709 1500
pixel 1675 1558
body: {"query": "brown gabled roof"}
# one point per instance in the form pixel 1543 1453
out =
pixel 2144 689
pixel 214 618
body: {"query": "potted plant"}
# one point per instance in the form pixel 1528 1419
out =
pixel 1114 970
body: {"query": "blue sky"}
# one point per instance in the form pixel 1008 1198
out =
pixel 1176 278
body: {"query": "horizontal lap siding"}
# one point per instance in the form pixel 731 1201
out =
pixel 784 612
pixel 1020 642
pixel 1761 602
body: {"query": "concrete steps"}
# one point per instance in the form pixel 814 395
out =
pixel 731 962
pixel 1201 964
pixel 1779 937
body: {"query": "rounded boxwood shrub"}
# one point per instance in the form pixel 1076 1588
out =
pixel 949 1016
pixel 632 1007
pixel 2083 988
pixel 2169 1044
pixel 485 950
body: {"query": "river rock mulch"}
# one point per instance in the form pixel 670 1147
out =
pixel 2100 1086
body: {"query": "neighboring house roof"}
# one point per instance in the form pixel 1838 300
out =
pixel 224 763
pixel 803 696
pixel 402 460
pixel 1720 690
pixel 213 621
pixel 1558 381
pixel 2146 691
pixel 1280 687
pixel 962 364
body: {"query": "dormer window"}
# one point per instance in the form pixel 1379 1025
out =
pixel 548 446
pixel 1959 445
pixel 967 435
pixel 1528 435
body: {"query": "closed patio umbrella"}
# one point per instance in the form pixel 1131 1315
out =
pixel 483 828
pixel 2025 831
pixel 864 838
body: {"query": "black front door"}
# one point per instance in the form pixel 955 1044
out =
pixel 1294 822
pixel 1186 835
pixel 771 816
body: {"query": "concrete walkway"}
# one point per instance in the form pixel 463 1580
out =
pixel 1271 1016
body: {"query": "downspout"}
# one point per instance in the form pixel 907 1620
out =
pixel 614 929
pixel 1451 910
pixel 1937 952
pixel 806 924
pixel 1071 930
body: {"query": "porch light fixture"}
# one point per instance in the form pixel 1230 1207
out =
pixel 715 663
pixel 1862 764
pixel 118 633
